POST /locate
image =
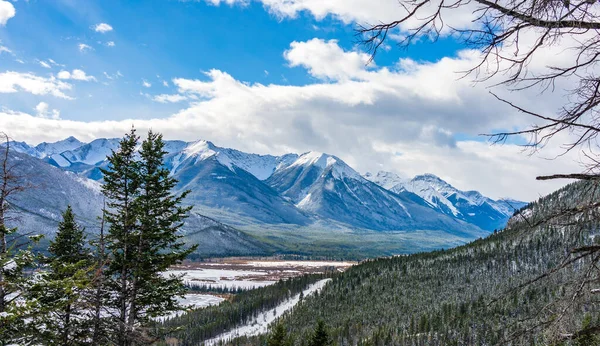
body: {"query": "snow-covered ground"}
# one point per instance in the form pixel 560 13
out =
pixel 259 325
pixel 194 301
pixel 248 274
pixel 294 264
pixel 223 278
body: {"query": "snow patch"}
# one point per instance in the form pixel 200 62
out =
pixel 259 324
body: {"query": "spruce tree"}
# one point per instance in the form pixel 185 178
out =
pixel 144 237
pixel 99 294
pixel 320 335
pixel 279 337
pixel 121 189
pixel 61 289
pixel 159 240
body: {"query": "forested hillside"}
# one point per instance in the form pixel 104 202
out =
pixel 522 285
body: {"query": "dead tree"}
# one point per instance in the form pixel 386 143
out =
pixel 11 184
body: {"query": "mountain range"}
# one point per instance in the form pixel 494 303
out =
pixel 271 199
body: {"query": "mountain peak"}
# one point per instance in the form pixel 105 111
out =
pixel 387 180
pixel 315 158
pixel 327 164
pixel 71 139
pixel 429 177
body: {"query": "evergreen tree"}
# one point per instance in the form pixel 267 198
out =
pixel 99 293
pixel 121 188
pixel 279 337
pixel 144 237
pixel 60 290
pixel 159 243
pixel 320 335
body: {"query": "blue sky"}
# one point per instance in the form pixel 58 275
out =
pixel 158 40
pixel 264 76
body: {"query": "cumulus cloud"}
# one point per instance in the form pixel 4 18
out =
pixel 102 28
pixel 43 111
pixel 110 43
pixel 76 74
pixel 404 118
pixel 84 47
pixel 7 11
pixel 311 55
pixel 12 82
pixel 146 84
pixel 362 11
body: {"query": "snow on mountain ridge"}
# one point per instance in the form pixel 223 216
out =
pixel 387 180
pixel 470 206
pixel 92 153
pixel 260 166
pixel 59 147
pixel 326 162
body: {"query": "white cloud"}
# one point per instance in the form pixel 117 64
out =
pixel 12 82
pixel 7 11
pixel 146 84
pixel 312 55
pixel 228 2
pixel 166 98
pixel 43 111
pixel 102 28
pixel 4 49
pixel 110 43
pixel 84 47
pixel 361 11
pixel 44 64
pixel 404 118
pixel 165 83
pixel 76 74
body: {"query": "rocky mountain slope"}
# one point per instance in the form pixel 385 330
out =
pixel 280 197
pixel 469 206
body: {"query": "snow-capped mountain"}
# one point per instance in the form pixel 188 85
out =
pixel 325 185
pixel 216 180
pixel 387 180
pixel 470 206
pixel 92 153
pixel 49 149
pixel 24 148
pixel 50 189
pixel 260 166
pixel 250 189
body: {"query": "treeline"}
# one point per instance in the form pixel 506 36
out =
pixel 203 324
pixel 501 290
pixel 198 288
pixel 102 291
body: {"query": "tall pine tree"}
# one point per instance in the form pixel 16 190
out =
pixel 279 337
pixel 144 237
pixel 320 335
pixel 61 289
pixel 159 240
pixel 121 188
